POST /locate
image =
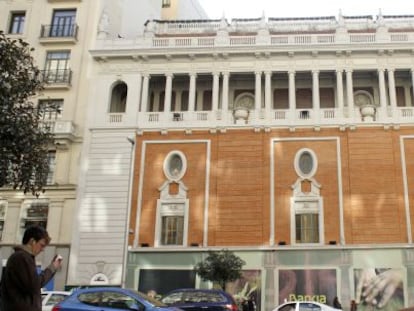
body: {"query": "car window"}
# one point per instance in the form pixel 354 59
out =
pixel 55 299
pixel 117 300
pixel 307 306
pixel 173 298
pixel 203 297
pixel 288 307
pixel 93 299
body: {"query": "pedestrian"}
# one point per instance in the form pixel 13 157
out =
pixel 353 305
pixel 21 284
pixel 336 303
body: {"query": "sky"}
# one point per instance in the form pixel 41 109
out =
pixel 304 8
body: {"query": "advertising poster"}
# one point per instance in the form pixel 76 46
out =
pixel 379 289
pixel 247 290
pixel 308 285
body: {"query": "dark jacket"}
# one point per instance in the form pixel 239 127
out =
pixel 21 284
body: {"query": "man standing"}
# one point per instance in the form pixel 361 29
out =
pixel 21 284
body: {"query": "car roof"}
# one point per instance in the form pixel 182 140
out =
pixel 303 302
pixel 197 290
pixel 56 292
pixel 101 289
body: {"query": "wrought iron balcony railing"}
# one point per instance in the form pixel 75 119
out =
pixel 58 76
pixel 59 31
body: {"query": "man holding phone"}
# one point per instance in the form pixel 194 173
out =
pixel 21 284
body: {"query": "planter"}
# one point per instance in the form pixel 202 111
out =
pixel 368 112
pixel 241 114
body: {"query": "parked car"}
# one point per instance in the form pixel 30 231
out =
pixel 190 299
pixel 50 298
pixel 110 299
pixel 304 306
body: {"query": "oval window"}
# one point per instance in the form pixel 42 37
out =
pixel 175 165
pixel 305 163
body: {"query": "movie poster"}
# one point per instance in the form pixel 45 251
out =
pixel 379 289
pixel 308 284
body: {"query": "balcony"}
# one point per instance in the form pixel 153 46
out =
pixel 50 34
pixel 276 33
pixel 64 131
pixel 60 78
pixel 281 118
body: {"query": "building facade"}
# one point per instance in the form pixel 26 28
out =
pixel 62 32
pixel 286 140
pixel 57 30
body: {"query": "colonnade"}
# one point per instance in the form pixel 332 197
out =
pixel 344 92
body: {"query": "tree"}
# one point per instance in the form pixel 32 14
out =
pixel 220 267
pixel 23 142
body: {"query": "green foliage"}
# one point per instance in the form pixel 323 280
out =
pixel 220 267
pixel 23 143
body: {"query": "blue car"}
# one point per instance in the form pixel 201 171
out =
pixel 190 299
pixel 110 299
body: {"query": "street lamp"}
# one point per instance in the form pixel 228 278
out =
pixel 131 140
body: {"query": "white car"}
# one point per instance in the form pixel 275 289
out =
pixel 304 306
pixel 50 298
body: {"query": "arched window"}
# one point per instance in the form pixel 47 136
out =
pixel 118 98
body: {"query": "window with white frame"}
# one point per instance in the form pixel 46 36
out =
pixel 3 208
pixel 50 109
pixel 17 20
pixel 172 225
pixel 306 203
pixel 35 213
pixel 63 23
pixel 49 112
pixel 172 207
pixel 57 67
pixel 307 222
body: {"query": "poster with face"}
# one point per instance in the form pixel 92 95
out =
pixel 308 285
pixel 379 289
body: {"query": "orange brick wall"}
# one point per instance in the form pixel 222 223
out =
pixel 239 196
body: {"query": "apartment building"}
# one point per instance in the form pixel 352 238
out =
pixel 286 140
pixel 58 31
pixel 61 31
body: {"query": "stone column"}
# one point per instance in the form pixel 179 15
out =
pixel 382 93
pixel 215 95
pixel 393 95
pixel 225 93
pixel 258 91
pixel 340 92
pixel 144 94
pixel 316 105
pixel 292 95
pixel 412 84
pixel 268 92
pixel 350 93
pixel 168 92
pixel 192 92
pixel 138 90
